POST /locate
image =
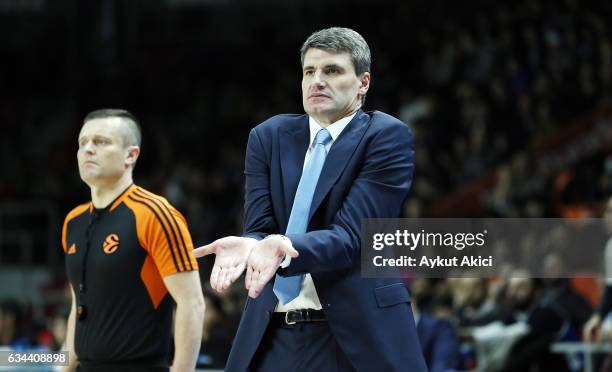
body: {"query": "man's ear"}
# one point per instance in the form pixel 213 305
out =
pixel 364 79
pixel 131 155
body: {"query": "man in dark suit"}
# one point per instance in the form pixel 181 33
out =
pixel 314 178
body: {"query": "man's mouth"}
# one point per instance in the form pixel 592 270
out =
pixel 318 95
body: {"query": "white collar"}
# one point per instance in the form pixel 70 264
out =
pixel 334 128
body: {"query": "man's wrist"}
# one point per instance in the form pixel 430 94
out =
pixel 251 244
pixel 278 236
pixel 286 259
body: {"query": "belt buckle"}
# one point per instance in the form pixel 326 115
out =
pixel 287 319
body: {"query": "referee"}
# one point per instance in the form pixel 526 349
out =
pixel 128 260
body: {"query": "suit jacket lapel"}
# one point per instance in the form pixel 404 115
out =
pixel 338 156
pixel 293 146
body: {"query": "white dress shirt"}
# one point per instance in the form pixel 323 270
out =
pixel 308 298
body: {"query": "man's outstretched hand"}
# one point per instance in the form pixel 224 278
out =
pixel 232 253
pixel 264 260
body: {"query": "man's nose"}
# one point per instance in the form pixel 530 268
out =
pixel 88 148
pixel 318 79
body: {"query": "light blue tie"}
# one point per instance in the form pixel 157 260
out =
pixel 288 288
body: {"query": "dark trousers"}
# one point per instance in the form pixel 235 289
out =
pixel 302 347
pixel 118 367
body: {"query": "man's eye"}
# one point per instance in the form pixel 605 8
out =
pixel 308 72
pixel 331 71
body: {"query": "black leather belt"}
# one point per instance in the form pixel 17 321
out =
pixel 293 317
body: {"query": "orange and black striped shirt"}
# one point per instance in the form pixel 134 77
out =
pixel 131 245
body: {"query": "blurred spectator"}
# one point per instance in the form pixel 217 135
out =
pixel 53 335
pixel 12 326
pixel 591 328
pixel 521 341
pixel 473 303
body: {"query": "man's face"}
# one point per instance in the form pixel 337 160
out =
pixel 102 157
pixel 520 291
pixel 330 88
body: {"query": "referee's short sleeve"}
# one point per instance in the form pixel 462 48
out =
pixel 162 232
pixel 172 251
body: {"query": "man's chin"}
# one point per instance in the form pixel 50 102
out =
pixel 319 111
pixel 90 178
pixel 319 106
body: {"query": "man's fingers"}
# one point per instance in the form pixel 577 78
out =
pixel 259 272
pixel 254 278
pixel 227 281
pixel 222 278
pixel 248 276
pixel 255 287
pixel 253 294
pixel 263 277
pixel 205 250
pixel 229 277
pixel 214 275
pixel 236 272
pixel 218 280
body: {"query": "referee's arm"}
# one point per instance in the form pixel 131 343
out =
pixel 69 346
pixel 186 290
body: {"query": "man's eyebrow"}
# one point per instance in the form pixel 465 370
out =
pixel 333 65
pixel 95 135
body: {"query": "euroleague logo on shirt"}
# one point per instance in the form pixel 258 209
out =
pixel 111 244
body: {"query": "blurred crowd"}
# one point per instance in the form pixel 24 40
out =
pixel 500 325
pixel 486 91
pixel 496 84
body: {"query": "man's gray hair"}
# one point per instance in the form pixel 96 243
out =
pixel 341 39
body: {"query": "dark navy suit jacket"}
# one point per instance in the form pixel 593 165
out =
pixel 367 174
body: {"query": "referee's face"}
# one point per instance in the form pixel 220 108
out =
pixel 101 155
